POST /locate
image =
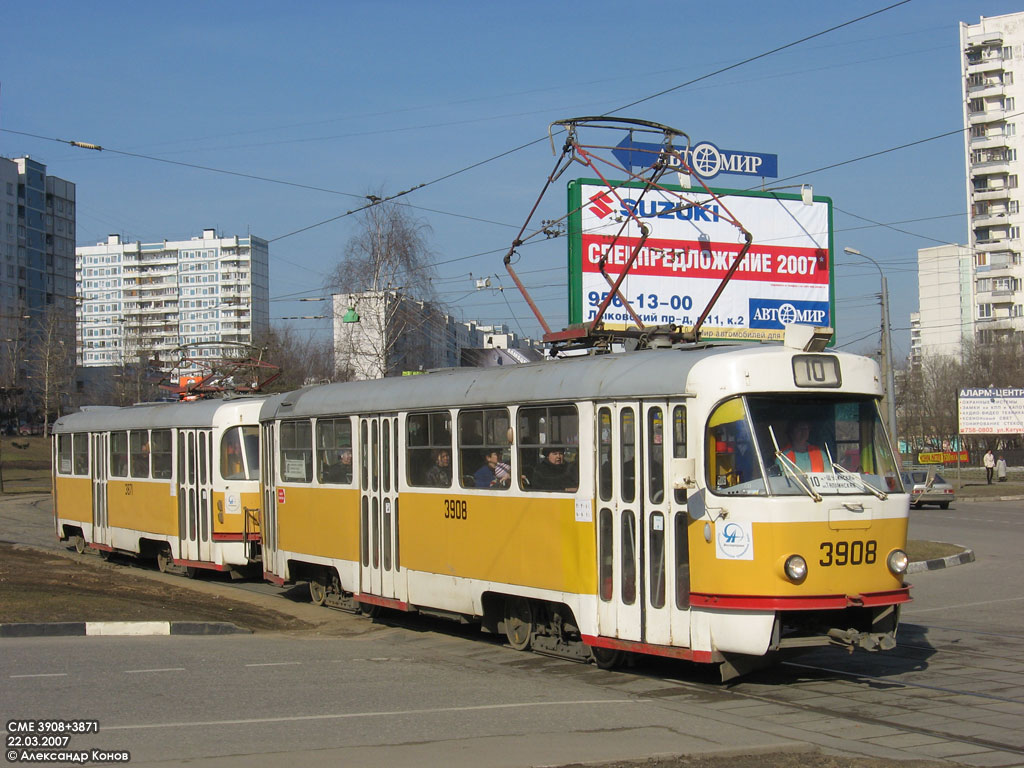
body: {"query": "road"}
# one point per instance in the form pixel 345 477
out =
pixel 430 694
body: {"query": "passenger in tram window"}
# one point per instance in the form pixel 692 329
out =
pixel 440 474
pixel 744 460
pixel 553 473
pixel 802 452
pixel 488 474
pixel 340 469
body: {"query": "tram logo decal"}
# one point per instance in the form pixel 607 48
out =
pixel 778 313
pixel 734 541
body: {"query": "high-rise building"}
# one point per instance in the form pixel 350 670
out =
pixel 992 66
pixel 37 267
pixel 945 290
pixel 146 301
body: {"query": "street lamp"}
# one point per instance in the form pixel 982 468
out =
pixel 887 372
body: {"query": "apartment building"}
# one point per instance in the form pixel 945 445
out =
pixel 992 67
pixel 147 301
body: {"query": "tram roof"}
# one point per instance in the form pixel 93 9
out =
pixel 199 413
pixel 646 373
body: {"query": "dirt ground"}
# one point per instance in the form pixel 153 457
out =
pixel 41 586
pixel 38 586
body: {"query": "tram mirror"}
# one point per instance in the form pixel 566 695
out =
pixel 684 473
pixel 695 505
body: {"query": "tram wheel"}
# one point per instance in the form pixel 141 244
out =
pixel 369 610
pixel 191 571
pixel 104 554
pixel 317 591
pixel 163 560
pixel 606 658
pixel 518 622
pixel 78 542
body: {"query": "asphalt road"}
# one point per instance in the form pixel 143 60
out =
pixel 418 696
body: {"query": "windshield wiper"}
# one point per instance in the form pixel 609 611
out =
pixel 855 478
pixel 798 475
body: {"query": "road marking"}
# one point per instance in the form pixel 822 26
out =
pixel 165 669
pixel 961 605
pixel 275 664
pixel 352 715
pixel 47 674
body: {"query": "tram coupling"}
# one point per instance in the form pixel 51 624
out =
pixel 868 641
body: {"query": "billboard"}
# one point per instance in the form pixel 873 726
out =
pixel 990 411
pixel 786 276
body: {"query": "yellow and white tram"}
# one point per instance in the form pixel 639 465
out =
pixel 178 482
pixel 654 501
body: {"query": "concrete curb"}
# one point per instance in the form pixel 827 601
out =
pixel 120 628
pixel 967 556
pixel 989 498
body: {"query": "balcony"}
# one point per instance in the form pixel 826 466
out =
pixel 989 246
pixel 989 219
pixel 991 193
pixel 998 141
pixel 987 116
pixel 988 64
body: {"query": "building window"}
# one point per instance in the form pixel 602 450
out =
pixel 1007 52
pixel 984 311
pixel 1009 104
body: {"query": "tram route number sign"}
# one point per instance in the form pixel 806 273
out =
pixel 991 411
pixel 786 276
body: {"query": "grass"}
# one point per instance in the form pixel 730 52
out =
pixel 26 464
pixel 931 550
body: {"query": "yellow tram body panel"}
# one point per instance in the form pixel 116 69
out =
pixel 846 552
pixel 320 521
pixel 534 542
pixel 73 498
pixel 145 506
pixel 228 520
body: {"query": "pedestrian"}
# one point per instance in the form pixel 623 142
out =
pixel 1001 468
pixel 990 464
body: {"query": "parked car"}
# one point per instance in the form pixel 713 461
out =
pixel 928 487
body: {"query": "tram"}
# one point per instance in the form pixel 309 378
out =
pixel 714 503
pixel 176 482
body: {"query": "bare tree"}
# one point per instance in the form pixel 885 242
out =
pixel 385 277
pixel 51 362
pixel 303 360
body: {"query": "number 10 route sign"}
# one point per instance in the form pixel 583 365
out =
pixel 786 276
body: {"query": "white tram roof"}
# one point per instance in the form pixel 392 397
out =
pixel 642 374
pixel 199 413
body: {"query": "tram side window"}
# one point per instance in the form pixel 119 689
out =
pixel 428 440
pixel 549 440
pixel 64 454
pixel 485 449
pixel 334 451
pixel 119 454
pixel 679 444
pixel 160 453
pixel 296 451
pixel 138 445
pixel 81 454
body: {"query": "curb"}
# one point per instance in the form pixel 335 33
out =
pixel 120 628
pixel 967 556
pixel 990 498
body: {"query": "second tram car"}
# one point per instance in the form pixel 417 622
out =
pixel 178 482
pixel 715 504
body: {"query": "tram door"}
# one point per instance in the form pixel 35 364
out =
pixel 100 523
pixel 268 521
pixel 195 494
pixel 380 572
pixel 641 523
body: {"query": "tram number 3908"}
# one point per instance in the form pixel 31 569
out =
pixel 455 509
pixel 848 552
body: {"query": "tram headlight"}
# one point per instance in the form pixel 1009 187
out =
pixel 898 561
pixel 796 568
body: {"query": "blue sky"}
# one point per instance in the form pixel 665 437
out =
pixel 353 98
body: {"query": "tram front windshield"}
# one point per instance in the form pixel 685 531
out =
pixel 782 445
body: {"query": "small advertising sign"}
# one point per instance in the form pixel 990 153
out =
pixel 991 411
pixel 786 276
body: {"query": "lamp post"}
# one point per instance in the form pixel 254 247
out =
pixel 887 373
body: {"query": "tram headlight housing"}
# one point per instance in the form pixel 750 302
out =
pixel 795 568
pixel 898 561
